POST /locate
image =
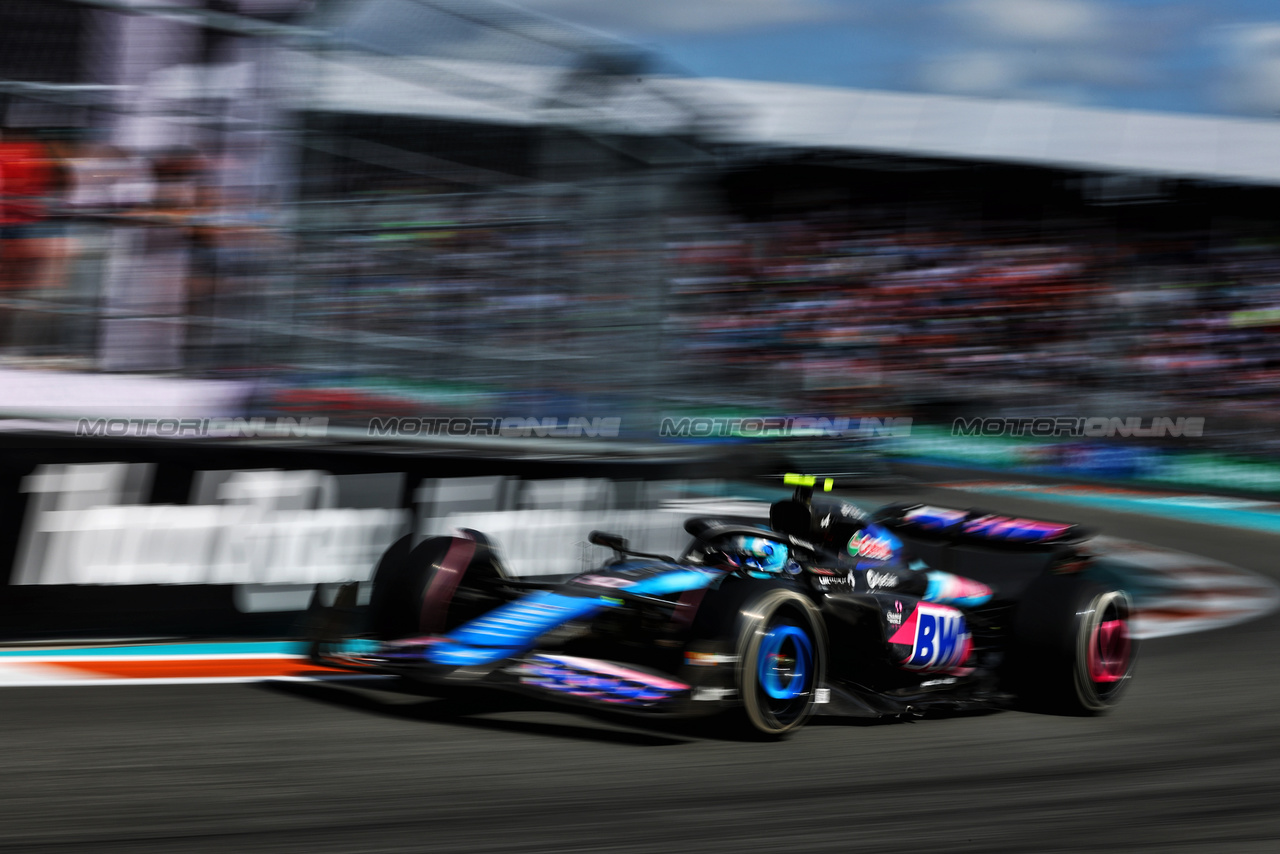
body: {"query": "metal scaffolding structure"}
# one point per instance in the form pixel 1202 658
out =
pixel 266 213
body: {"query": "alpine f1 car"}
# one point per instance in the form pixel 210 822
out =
pixel 821 609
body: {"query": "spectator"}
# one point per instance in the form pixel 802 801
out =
pixel 146 299
pixel 31 250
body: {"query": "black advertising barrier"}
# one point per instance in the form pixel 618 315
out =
pixel 43 478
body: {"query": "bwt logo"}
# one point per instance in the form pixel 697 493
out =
pixel 1091 428
pixel 941 641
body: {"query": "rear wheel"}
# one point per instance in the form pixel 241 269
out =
pixel 1073 650
pixel 1104 653
pixel 781 661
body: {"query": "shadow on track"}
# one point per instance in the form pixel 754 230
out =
pixel 897 720
pixel 407 704
pixel 406 700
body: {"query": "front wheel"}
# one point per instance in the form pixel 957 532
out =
pixel 780 661
pixel 401 585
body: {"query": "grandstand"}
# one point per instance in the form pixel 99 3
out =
pixel 409 226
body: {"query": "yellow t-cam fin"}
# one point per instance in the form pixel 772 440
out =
pixel 807 480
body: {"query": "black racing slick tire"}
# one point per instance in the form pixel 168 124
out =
pixel 781 648
pixel 1073 651
pixel 435 586
pixel 399 582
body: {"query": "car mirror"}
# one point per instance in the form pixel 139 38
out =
pixel 614 541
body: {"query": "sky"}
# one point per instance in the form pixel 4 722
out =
pixel 1198 57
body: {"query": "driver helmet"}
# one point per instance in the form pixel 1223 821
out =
pixel 757 554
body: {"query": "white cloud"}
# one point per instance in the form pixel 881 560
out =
pixel 975 73
pixel 1251 81
pixel 1038 21
pixel 642 17
pixel 1057 74
pixel 1255 39
pixel 1093 67
pixel 1061 50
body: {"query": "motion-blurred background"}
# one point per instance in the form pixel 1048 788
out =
pixel 638 210
pixel 355 208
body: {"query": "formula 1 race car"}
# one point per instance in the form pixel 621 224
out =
pixel 820 609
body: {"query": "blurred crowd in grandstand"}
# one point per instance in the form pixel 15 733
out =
pixel 922 308
pixel 118 261
pixel 415 300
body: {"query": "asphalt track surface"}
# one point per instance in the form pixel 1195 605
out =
pixel 1189 762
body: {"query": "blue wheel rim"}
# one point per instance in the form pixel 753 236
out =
pixel 784 672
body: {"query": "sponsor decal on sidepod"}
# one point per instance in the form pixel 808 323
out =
pixel 881 579
pixel 938 635
pixel 862 544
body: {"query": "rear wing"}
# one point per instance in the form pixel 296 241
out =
pixel 950 523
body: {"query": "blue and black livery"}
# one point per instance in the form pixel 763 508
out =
pixel 821 609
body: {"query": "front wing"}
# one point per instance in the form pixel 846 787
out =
pixel 705 684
